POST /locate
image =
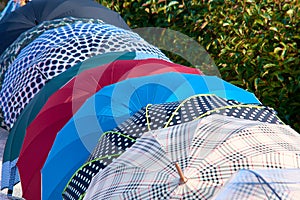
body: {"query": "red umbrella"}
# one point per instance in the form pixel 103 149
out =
pixel 61 106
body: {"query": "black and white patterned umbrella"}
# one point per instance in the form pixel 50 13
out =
pixel 193 160
pixel 115 142
pixel 57 50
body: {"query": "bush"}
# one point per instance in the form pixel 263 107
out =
pixel 254 44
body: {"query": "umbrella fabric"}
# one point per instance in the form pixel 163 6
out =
pixel 61 106
pixel 10 7
pixel 112 105
pixel 208 151
pixel 28 74
pixel 154 117
pixel 262 184
pixel 17 133
pixel 36 12
pixel 9 55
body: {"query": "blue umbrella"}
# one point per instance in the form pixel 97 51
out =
pixel 114 104
pixel 17 133
pixel 57 50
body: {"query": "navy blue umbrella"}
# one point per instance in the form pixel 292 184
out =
pixel 35 12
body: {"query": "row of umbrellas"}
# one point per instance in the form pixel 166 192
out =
pixel 96 112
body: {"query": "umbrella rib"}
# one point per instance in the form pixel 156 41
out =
pixel 182 103
pixel 260 178
pixel 233 106
pixel 41 73
pixel 147 116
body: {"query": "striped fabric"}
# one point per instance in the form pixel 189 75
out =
pixel 154 117
pixel 208 151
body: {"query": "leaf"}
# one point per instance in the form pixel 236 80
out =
pixel 269 65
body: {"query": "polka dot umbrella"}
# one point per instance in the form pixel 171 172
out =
pixel 113 143
pixel 194 160
pixel 11 52
pixel 57 50
pixel 64 103
pixel 38 11
pixel 111 106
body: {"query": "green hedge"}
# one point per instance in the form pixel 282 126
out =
pixel 254 44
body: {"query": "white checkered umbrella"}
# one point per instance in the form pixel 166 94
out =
pixel 208 151
pixel 262 184
pixel 154 117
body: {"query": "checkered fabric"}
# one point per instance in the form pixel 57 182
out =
pixel 262 184
pixel 154 117
pixel 55 51
pixel 209 151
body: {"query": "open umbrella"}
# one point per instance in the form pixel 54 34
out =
pixel 38 11
pixel 42 60
pixel 61 106
pixel 10 7
pixel 194 160
pixel 11 52
pixel 155 117
pixel 262 184
pixel 114 104
pixel 17 133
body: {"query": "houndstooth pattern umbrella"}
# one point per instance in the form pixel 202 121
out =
pixel 42 60
pixel 155 117
pixel 208 151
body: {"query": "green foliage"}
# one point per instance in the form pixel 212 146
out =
pixel 255 44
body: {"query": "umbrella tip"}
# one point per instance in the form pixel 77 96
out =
pixel 183 179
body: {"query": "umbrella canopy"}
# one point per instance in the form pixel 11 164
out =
pixel 262 184
pixel 114 104
pixel 42 60
pixel 207 152
pixel 11 52
pixel 10 7
pixel 154 117
pixel 36 12
pixel 61 106
pixel 17 133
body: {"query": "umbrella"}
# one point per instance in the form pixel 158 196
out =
pixel 193 160
pixel 154 117
pixel 114 104
pixel 9 55
pixel 10 7
pixel 36 12
pixel 262 184
pixel 17 133
pixel 41 61
pixel 61 106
